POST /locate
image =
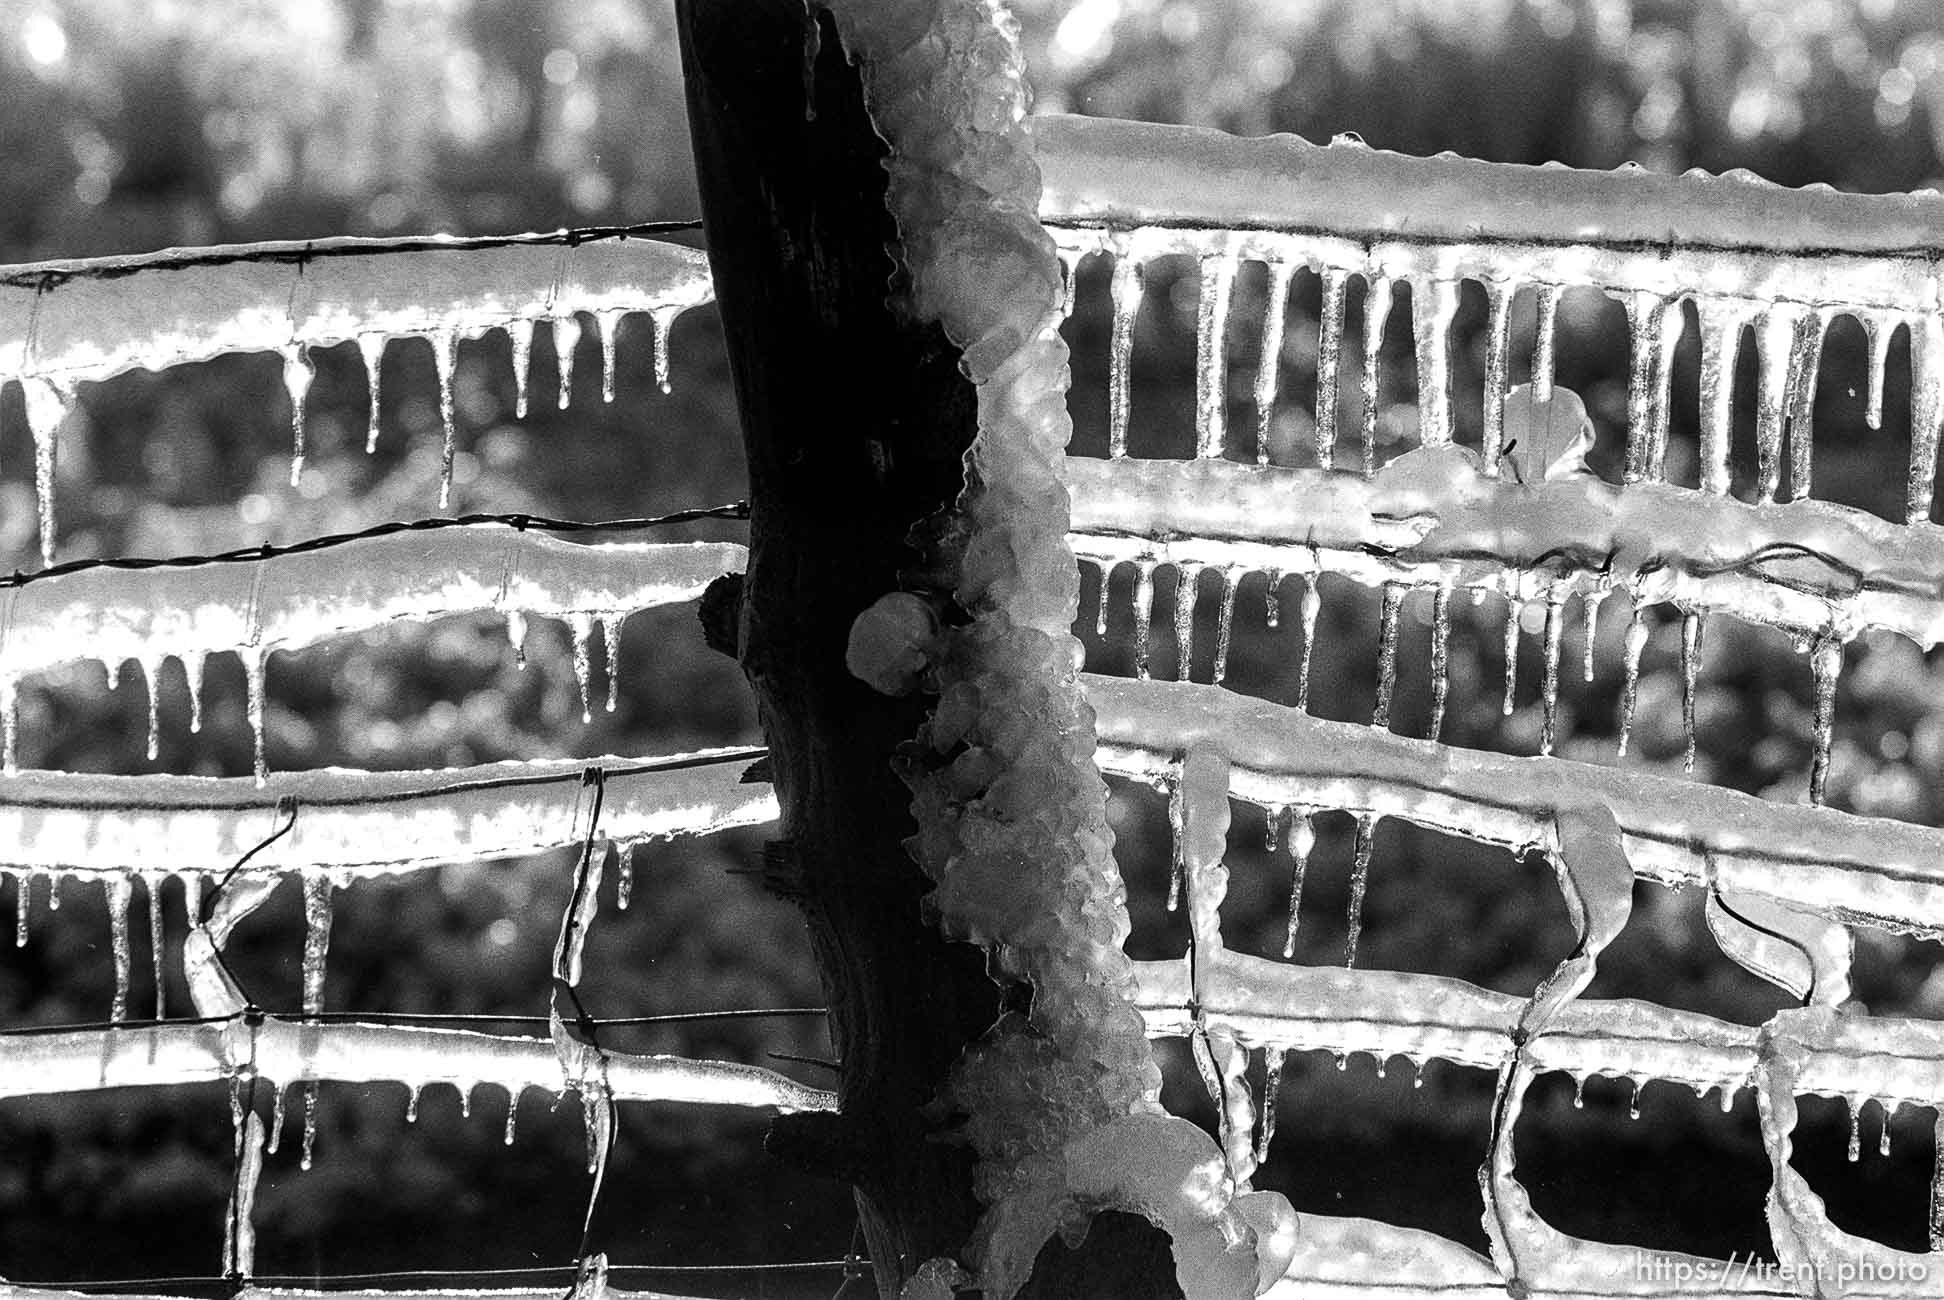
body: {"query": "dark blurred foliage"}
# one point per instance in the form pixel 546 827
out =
pixel 131 127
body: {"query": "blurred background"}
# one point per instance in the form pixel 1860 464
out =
pixel 130 126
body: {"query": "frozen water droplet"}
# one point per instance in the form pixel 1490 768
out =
pixel 297 375
pixel 1124 286
pixel 1359 882
pixel 583 627
pixel 520 334
pixel 48 402
pixel 1312 604
pixel 1636 643
pixel 1417 1074
pixel 1440 657
pixel 117 890
pixel 1211 355
pixel 1387 655
pixel 1377 306
pixel 1272 828
pixel 445 358
pixel 372 348
pixel 1348 140
pixel 1827 665
pixel 1269 355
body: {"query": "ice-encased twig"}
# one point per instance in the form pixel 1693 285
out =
pixel 1858 869
pixel 289 1051
pixel 353 823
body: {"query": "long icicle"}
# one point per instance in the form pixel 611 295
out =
pixel 1549 699
pixel 445 359
pixel 372 348
pixel 1225 622
pixel 1514 608
pixel 1143 615
pixel 1312 604
pixel 1547 306
pixel 1302 839
pixel 48 403
pixel 519 333
pixel 1329 359
pixel 1644 322
pixel 1377 305
pixel 1187 576
pixel 1926 414
pixel 118 892
pixel 1826 662
pixel 1802 405
pixel 317 946
pixel 1124 288
pixel 158 949
pixel 1359 882
pixel 1630 693
pixel 298 372
pixel 1690 677
pixel 1211 355
pixel 1498 343
pixel 1433 304
pixel 1721 331
pixel 1272 1068
pixel 566 338
pixel 1440 657
pixel 1673 323
pixel 1387 654
pixel 1269 355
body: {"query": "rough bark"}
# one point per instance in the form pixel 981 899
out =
pixel 855 422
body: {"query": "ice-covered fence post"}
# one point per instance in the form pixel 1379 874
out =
pixel 854 424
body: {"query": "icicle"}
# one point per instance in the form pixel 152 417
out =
pixel 1513 608
pixel 239 1239
pixel 445 359
pixel 1690 675
pixel 297 375
pixel 1177 821
pixel 276 1118
pixel 1377 305
pixel 1272 599
pixel 597 1118
pixel 1433 304
pixel 114 667
pixel 1937 1184
pixel 1143 615
pixel 624 877
pixel 512 1112
pixel 663 320
pixel 1776 349
pixel 193 662
pixel 1272 1068
pixel 23 906
pixel 1069 281
pixel 117 891
pixel 520 334
pixel 1926 414
pixel 1555 633
pixel 1803 370
pixel 1644 320
pixel 192 889
pixel 1498 342
pixel 1124 286
pixel 1542 341
pixel 1590 606
pixel 372 348
pixel 611 646
pixel 1302 838
pixel 1672 323
pixel 516 635
pixel 1359 881
pixel 1187 576
pixel 309 1145
pixel 9 724
pixel 1440 657
pixel 1272 828
pixel 48 403
pixel 1211 355
pixel 1721 331
pixel 1329 356
pixel 54 879
pixel 1579 1092
pixel 1269 357
pixel 1826 662
pixel 1636 642
pixel 1633 1103
pixel 1883 1130
pixel 1417 1074
pixel 152 673
pixel 1225 624
pixel 1387 654
pixel 254 658
pixel 1855 1152
pixel 411 1103
pixel 583 626
pixel 317 940
pixel 608 324
pixel 152 884
pixel 1878 330
pixel 566 337
pixel 1312 604
pixel 1106 571
pixel 465 1101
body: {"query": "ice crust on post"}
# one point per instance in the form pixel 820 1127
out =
pixel 1064 1115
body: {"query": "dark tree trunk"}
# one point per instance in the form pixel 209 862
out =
pixel 855 422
